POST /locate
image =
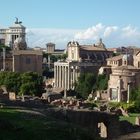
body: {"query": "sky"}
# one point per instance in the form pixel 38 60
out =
pixel 115 21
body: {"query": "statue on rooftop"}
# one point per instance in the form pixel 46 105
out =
pixel 17 21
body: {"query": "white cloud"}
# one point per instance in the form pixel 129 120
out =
pixel 41 36
pixel 90 33
pixel 130 31
pixel 109 30
pixel 113 36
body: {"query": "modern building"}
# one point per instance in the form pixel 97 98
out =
pixel 81 58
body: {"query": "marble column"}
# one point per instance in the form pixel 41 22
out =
pixel 57 72
pixel 65 82
pixel 128 92
pixel 63 73
pixel 73 77
pixel 68 75
pixel 119 94
pixel 55 76
pixel 60 76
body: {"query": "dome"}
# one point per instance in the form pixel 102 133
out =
pixel 101 44
pixel 20 44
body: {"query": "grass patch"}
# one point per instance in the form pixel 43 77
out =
pixel 131 118
pixel 27 126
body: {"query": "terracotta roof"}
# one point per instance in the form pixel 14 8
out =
pixel 91 48
pixel 20 52
pixel 126 67
pixel 115 57
pixel 112 49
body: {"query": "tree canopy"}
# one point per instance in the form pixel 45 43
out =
pixel 29 83
pixel 135 98
pixel 88 82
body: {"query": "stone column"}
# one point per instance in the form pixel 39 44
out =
pixel 73 77
pixel 68 73
pixel 109 92
pixel 119 89
pixel 65 77
pixel 55 76
pixel 76 73
pixel 60 76
pixel 128 92
pixel 49 61
pixel 119 92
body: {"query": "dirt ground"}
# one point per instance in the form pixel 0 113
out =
pixel 131 136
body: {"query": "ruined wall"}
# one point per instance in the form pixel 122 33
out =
pixel 90 120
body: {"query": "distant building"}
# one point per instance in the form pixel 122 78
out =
pixel 52 51
pixel 27 60
pixel 19 59
pixel 81 58
pixel 10 34
pixel 124 77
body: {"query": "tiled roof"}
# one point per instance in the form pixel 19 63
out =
pixel 115 57
pixel 20 52
pixel 126 67
pixel 91 48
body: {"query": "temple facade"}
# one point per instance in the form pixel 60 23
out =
pixel 81 59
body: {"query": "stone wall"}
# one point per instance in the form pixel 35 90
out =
pixel 91 120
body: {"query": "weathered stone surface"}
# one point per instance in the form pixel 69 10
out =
pixel 90 120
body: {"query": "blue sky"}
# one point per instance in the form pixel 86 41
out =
pixel 74 17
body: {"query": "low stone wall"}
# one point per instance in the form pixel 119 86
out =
pixel 90 120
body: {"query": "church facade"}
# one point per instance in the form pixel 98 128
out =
pixel 81 59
